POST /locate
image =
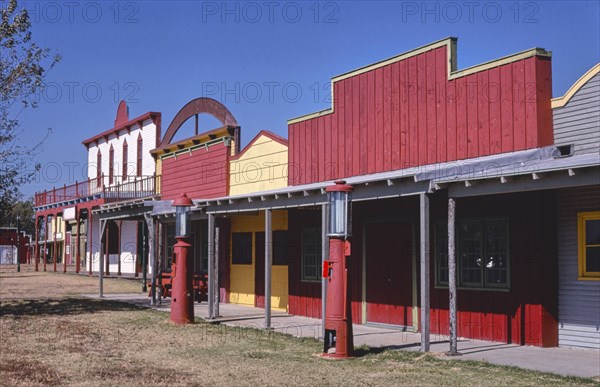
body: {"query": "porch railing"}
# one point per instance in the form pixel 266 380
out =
pixel 113 189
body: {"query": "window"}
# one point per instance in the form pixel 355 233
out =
pixel 125 151
pixel 99 168
pixel 111 238
pixel 111 165
pixel 588 235
pixel 280 247
pixel 441 254
pixel 169 244
pixel 481 253
pixel 311 254
pixel 241 251
pixel 139 155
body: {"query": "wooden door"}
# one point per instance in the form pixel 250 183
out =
pixel 389 272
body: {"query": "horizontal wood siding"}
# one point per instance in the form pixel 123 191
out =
pixel 578 122
pixel 579 301
pixel 203 173
pixel 407 114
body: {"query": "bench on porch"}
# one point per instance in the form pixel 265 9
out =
pixel 164 284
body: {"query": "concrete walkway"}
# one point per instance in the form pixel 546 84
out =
pixel 563 361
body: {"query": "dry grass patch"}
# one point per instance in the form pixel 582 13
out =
pixel 91 342
pixel 29 284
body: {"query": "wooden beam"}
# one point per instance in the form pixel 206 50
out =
pixel 452 276
pixel 101 256
pixel 268 264
pixel 216 275
pixel 424 254
pixel 151 256
pixel 324 257
pixel 211 257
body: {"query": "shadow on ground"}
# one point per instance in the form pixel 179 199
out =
pixel 62 307
pixel 365 350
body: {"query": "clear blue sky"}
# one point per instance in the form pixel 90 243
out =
pixel 268 61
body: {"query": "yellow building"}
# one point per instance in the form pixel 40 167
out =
pixel 261 166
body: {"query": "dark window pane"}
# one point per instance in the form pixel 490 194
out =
pixel 592 232
pixel 169 245
pixel 495 247
pixel 280 247
pixel 241 248
pixel 311 254
pixel 592 259
pixel 441 253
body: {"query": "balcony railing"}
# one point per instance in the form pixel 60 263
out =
pixel 113 189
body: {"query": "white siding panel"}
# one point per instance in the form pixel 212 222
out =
pixel 578 301
pixel 149 134
pixel 128 247
pixel 578 122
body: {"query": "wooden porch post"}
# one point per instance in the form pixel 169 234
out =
pixel 105 249
pixel 268 263
pixel 119 224
pixel 136 271
pixel 452 276
pixel 324 257
pixel 90 238
pixel 55 220
pixel 78 245
pixel 159 259
pixel 100 271
pixel 211 258
pixel 216 274
pixel 424 253
pixel 45 240
pixel 151 258
pixel 37 244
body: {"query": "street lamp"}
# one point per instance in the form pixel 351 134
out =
pixel 182 292
pixel 338 341
pixel 18 243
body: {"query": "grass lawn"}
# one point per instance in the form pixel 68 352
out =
pixel 70 340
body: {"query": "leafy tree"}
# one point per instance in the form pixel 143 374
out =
pixel 24 210
pixel 23 66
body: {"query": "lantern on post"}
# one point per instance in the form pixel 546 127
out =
pixel 182 292
pixel 338 340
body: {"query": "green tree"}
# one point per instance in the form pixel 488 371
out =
pixel 23 66
pixel 24 210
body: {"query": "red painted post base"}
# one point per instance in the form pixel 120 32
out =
pixel 338 340
pixel 182 292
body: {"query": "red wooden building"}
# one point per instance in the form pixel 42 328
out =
pixel 411 134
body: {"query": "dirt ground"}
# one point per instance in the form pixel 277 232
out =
pixel 70 340
pixel 30 284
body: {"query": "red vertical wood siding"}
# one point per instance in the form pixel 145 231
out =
pixel 202 174
pixel 527 312
pixel 407 114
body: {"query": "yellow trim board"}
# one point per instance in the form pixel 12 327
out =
pixel 562 101
pixel 450 44
pixel 582 218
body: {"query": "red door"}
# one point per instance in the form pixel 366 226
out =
pixel 389 272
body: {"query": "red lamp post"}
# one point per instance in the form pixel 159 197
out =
pixel 182 292
pixel 338 340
